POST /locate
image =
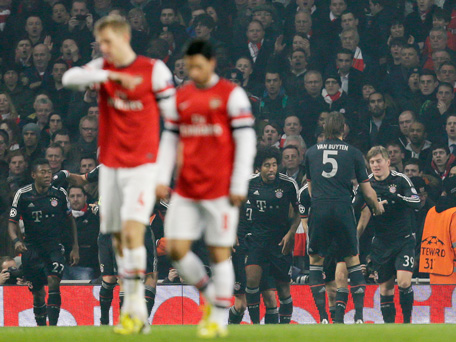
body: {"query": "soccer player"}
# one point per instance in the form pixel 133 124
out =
pixel 133 90
pixel 275 219
pixel 213 126
pixel 106 255
pixel 393 246
pixel 331 166
pixel 45 211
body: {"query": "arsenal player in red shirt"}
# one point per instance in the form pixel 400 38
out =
pixel 213 125
pixel 133 91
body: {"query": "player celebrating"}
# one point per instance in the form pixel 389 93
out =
pixel 393 246
pixel 45 211
pixel 275 219
pixel 214 127
pixel 331 166
pixel 133 89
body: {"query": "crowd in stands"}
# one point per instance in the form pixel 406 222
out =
pixel 388 65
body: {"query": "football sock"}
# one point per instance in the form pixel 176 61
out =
pixel 150 298
pixel 285 310
pixel 106 294
pixel 234 316
pixel 40 314
pixel 271 316
pixel 53 307
pixel 317 286
pixel 192 270
pixel 253 303
pixel 134 266
pixel 341 304
pixel 357 289
pixel 332 313
pixel 388 308
pixel 223 279
pixel 406 300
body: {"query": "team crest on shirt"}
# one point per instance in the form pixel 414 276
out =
pixel 279 193
pixel 392 188
pixel 215 103
pixel 54 202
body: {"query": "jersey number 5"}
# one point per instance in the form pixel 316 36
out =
pixel 327 159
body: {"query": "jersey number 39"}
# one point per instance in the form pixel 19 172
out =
pixel 328 160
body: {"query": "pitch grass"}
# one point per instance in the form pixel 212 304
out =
pixel 270 333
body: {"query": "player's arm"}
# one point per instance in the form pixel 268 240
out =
pixel 244 137
pixel 163 88
pixel 288 240
pixel 409 197
pixel 80 78
pixel 363 220
pixel 371 198
pixel 13 224
pixel 304 206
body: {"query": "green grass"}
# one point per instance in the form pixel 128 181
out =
pixel 270 333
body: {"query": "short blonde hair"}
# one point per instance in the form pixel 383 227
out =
pixel 376 150
pixel 115 22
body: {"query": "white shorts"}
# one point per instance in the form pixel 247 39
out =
pixel 126 194
pixel 188 219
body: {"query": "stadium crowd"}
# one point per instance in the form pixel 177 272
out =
pixel 388 66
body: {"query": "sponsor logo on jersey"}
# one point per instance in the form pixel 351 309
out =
pixel 392 188
pixel 215 103
pixel 125 105
pixel 414 191
pixel 279 193
pixel 54 202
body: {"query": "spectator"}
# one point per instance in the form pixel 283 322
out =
pixel 88 130
pixel 361 61
pixel 178 69
pixel 418 147
pixel 31 136
pixel 271 135
pixel 12 129
pixel 54 154
pixel 414 168
pixel 450 129
pixel 438 58
pixel 396 155
pixel 23 53
pixel 17 167
pixel 87 164
pixel 447 73
pixel 7 107
pixel 442 161
pixel 292 126
pixel 350 77
pixel 7 263
pixel 298 142
pixel 58 94
pixel 291 164
pixel 44 108
pixel 58 25
pixel 333 95
pixel 267 15
pixel 70 53
pixel 21 97
pixel 405 120
pixel 294 79
pixel 34 29
pixel 39 73
pixel 88 226
pixel 80 27
pixel 70 155
pixel 245 65
pixel 139 30
pixel 419 22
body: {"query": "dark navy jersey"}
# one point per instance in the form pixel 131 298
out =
pixel 270 207
pixel 44 215
pixel 92 176
pixel 245 220
pixel 331 166
pixel 398 219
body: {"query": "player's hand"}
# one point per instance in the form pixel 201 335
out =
pixel 4 276
pixel 237 200
pixel 125 80
pixel 74 256
pixel 19 247
pixel 235 245
pixel 60 178
pixel 162 192
pixel 379 209
pixel 287 243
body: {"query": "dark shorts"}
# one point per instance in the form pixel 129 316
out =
pixel 39 262
pixel 270 257
pixel 390 256
pixel 332 222
pixel 240 279
pixel 107 257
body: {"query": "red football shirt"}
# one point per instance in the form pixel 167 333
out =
pixel 205 120
pixel 129 119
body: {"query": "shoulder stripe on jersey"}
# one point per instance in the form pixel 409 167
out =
pixel 289 179
pixel 302 189
pixel 395 173
pixel 19 192
pixel 246 116
pixel 240 127
pixel 254 175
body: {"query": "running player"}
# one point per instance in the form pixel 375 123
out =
pixel 330 168
pixel 393 246
pixel 45 211
pixel 133 90
pixel 214 129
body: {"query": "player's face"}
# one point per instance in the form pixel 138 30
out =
pixel 379 166
pixel 200 69
pixel 112 44
pixel 77 199
pixel 269 170
pixel 412 170
pixel 42 175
